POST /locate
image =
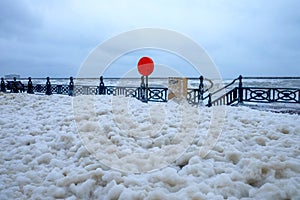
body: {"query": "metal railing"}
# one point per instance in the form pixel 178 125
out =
pixel 232 93
pixel 240 94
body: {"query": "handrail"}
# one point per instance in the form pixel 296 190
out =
pixel 211 84
pixel 206 79
pixel 226 86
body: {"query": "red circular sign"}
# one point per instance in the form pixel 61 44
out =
pixel 145 66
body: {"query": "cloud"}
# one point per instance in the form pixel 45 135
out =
pixel 17 19
pixel 242 37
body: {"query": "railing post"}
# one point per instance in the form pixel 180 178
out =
pixel 102 87
pixel 29 86
pixel 166 92
pixel 15 86
pixel 209 100
pixel 240 98
pixel 147 90
pixel 71 86
pixel 142 93
pixel 3 89
pixel 201 91
pixel 48 87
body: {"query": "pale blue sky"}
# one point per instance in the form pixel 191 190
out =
pixel 41 38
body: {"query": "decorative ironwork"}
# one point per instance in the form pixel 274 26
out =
pixel 39 88
pixel 125 91
pixel 78 89
pixel 65 89
pixel 157 94
pixel 266 95
pixel 193 96
pixel 110 90
pixel 287 95
pixel 131 92
pixel 256 95
pixel 53 89
pixel 91 90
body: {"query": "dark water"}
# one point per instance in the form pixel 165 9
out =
pixel 163 82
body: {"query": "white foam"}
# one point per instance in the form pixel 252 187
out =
pixel 257 155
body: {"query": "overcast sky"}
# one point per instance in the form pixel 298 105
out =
pixel 41 38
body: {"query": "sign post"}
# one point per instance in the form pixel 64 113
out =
pixel 145 68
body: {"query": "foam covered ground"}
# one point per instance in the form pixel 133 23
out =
pixel 44 153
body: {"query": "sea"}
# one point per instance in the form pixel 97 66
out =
pixel 279 82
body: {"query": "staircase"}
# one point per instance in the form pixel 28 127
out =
pixel 257 94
